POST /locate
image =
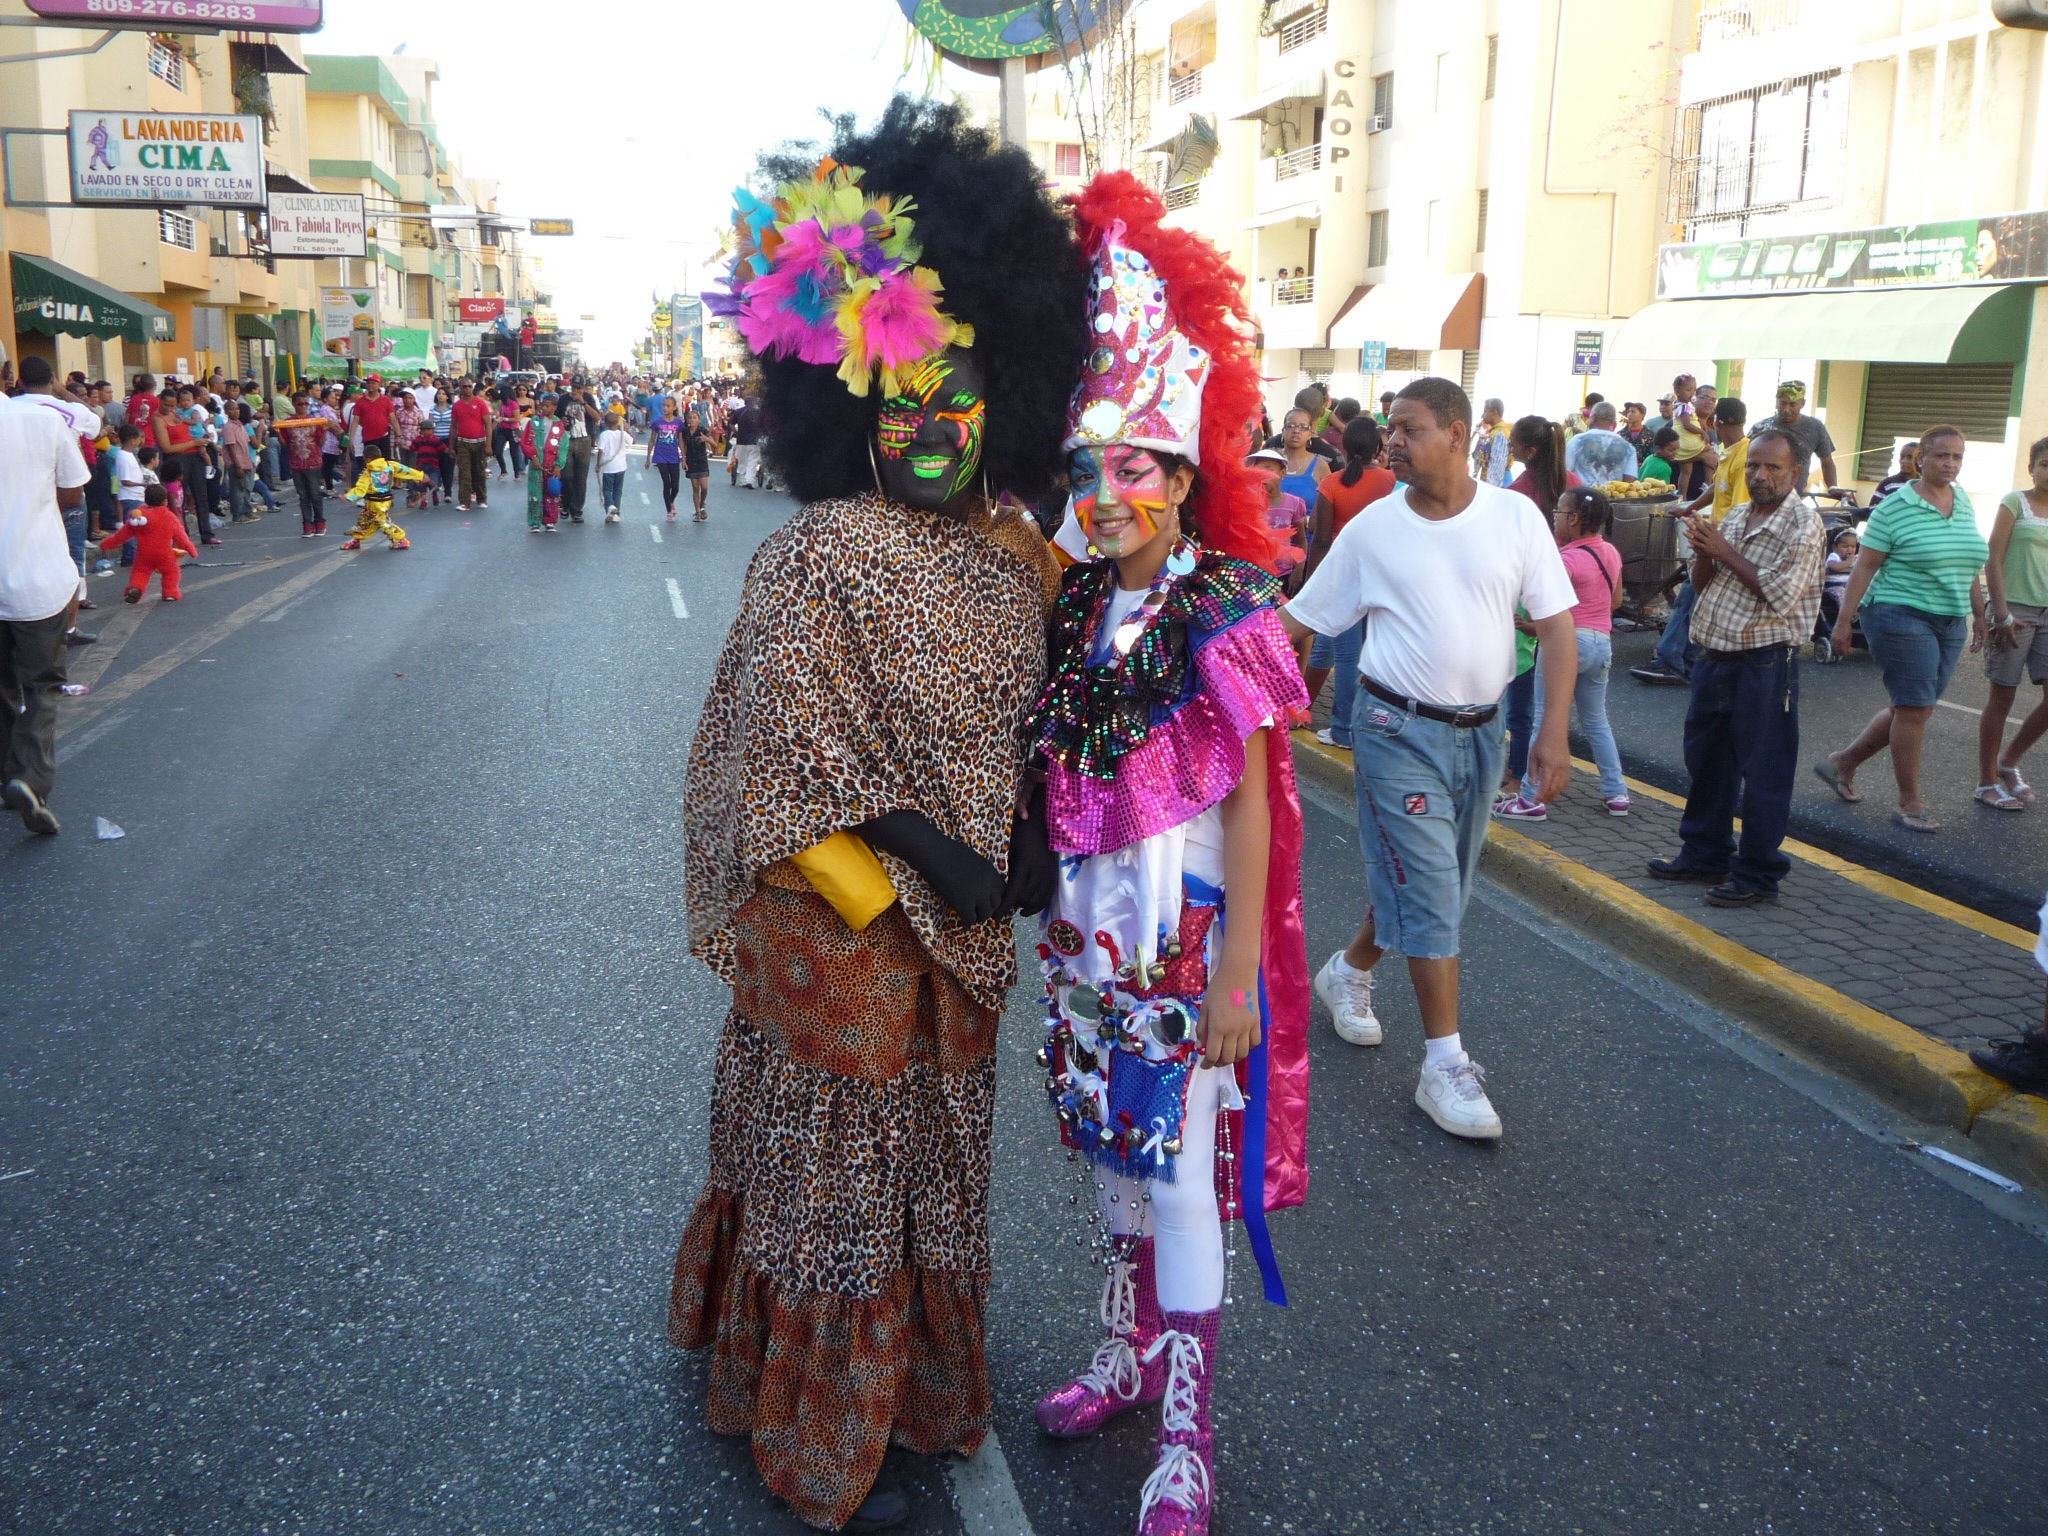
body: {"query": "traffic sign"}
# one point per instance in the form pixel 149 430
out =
pixel 551 226
pixel 1586 349
pixel 1372 357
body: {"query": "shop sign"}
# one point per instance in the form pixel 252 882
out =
pixel 344 314
pixel 166 159
pixel 2005 248
pixel 479 309
pixel 551 226
pixel 1586 349
pixel 469 335
pixel 318 224
pixel 256 15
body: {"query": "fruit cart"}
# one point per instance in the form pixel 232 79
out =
pixel 1646 533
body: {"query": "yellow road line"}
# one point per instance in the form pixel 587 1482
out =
pixel 132 683
pixel 122 623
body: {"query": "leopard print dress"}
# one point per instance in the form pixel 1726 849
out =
pixel 837 1261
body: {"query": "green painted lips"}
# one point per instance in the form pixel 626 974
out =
pixel 926 467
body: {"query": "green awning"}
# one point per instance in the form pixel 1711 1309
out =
pixel 53 300
pixel 254 328
pixel 1883 325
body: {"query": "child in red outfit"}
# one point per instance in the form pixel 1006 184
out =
pixel 159 533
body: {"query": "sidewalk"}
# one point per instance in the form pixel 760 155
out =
pixel 1851 970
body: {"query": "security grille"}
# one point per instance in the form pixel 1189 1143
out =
pixel 1905 399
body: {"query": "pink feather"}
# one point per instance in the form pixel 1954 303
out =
pixel 900 322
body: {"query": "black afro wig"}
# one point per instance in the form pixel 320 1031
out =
pixel 1011 269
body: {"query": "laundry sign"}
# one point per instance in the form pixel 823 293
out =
pixel 170 159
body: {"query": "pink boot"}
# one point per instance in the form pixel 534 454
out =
pixel 1116 1379
pixel 1179 1492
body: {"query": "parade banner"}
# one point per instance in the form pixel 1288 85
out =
pixel 256 15
pixel 2005 248
pixel 318 224
pixel 686 336
pixel 166 159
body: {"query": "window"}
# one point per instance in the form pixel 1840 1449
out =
pixel 1383 95
pixel 1066 160
pixel 1400 360
pixel 1492 63
pixel 1468 373
pixel 410 146
pixel 1479 232
pixel 1376 239
pixel 1318 363
pixel 1762 152
pixel 419 297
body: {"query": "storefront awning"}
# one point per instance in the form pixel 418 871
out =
pixel 52 300
pixel 1419 314
pixel 277 179
pixel 1895 325
pixel 1307 88
pixel 254 328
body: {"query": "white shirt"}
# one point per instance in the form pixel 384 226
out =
pixel 38 454
pixel 84 420
pixel 612 447
pixel 1438 597
pixel 128 472
pixel 424 393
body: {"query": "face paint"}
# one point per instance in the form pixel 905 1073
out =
pixel 929 436
pixel 1119 496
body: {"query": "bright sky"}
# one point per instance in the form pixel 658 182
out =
pixel 635 118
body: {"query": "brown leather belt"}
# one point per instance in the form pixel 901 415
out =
pixel 1462 719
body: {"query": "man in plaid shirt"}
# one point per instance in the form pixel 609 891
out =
pixel 1759 581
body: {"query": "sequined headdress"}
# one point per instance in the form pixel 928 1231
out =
pixel 1142 383
pixel 827 273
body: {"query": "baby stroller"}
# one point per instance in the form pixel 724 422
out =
pixel 1836 524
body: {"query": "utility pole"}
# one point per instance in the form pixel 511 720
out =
pixel 1011 99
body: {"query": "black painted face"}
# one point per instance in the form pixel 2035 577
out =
pixel 928 439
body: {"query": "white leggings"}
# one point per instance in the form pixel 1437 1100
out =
pixel 1182 1217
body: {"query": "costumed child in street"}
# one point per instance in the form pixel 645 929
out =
pixel 158 534
pixel 545 442
pixel 1176 972
pixel 374 488
pixel 853 843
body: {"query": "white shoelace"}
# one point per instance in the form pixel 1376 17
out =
pixel 1120 1298
pixel 1467 1079
pixel 1180 1477
pixel 1184 1363
pixel 1115 1366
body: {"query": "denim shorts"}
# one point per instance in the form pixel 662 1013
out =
pixel 1425 792
pixel 1916 651
pixel 2028 656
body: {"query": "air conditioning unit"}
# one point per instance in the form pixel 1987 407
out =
pixel 1379 122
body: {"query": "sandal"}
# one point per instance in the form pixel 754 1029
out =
pixel 2021 789
pixel 1832 777
pixel 1915 821
pixel 1999 798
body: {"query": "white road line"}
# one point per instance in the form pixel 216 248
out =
pixel 644 501
pixel 654 529
pixel 277 613
pixel 675 599
pixel 985 1495
pixel 1960 708
pixel 89 735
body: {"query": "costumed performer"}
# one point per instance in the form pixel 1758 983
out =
pixel 1175 968
pixel 544 441
pixel 159 534
pixel 853 840
pixel 374 488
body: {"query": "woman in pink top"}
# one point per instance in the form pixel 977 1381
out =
pixel 1580 523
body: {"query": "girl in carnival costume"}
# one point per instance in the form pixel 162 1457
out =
pixel 1176 974
pixel 853 844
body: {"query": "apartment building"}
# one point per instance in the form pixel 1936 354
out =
pixel 116 291
pixel 1856 203
pixel 1457 187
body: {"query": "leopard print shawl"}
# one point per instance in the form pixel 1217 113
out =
pixel 882 659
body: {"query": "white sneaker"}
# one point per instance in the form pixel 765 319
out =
pixel 1452 1094
pixel 1348 996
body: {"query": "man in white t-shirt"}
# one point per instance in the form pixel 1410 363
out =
pixel 1436 571
pixel 42 476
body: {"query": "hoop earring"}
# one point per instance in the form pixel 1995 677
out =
pixel 874 468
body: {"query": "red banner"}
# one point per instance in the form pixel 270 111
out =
pixel 475 311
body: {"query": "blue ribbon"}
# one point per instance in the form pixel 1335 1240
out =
pixel 1252 1159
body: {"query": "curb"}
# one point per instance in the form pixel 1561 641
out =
pixel 1823 1027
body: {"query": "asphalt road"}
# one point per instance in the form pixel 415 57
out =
pixel 356 1097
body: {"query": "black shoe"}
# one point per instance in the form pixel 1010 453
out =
pixel 35 815
pixel 882 1510
pixel 78 637
pixel 1737 896
pixel 1672 869
pixel 1656 672
pixel 2021 1061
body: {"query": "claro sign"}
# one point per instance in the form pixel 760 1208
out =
pixel 166 158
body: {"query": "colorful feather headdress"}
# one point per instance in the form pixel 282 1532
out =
pixel 827 274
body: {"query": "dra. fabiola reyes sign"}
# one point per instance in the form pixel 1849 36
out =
pixel 171 158
pixel 317 224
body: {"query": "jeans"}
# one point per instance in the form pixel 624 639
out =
pixel 614 490
pixel 74 533
pixel 1589 693
pixel 238 494
pixel 129 509
pixel 1519 705
pixel 1676 649
pixel 503 439
pixel 443 473
pixel 1742 750
pixel 261 487
pixel 32 661
pixel 576 477
pixel 268 465
pixel 1425 793
pixel 1340 654
pixel 312 500
pixel 1916 651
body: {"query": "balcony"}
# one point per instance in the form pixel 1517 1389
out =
pixel 1179 199
pixel 1290 181
pixel 1303 30
pixel 1183 89
pixel 1288 316
pixel 1737 21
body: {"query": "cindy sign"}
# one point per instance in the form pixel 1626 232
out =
pixel 262 15
pixel 2005 248
pixel 317 224
pixel 166 158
